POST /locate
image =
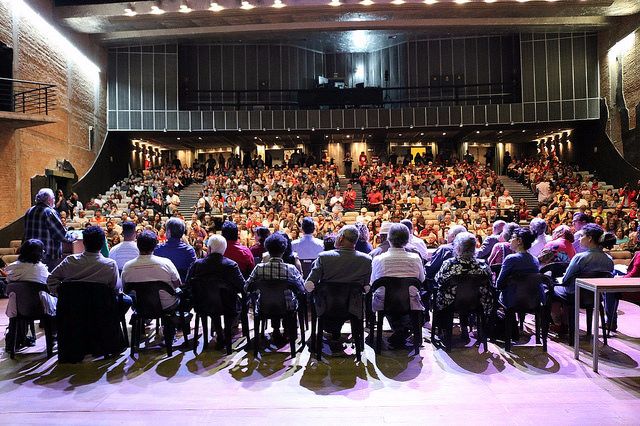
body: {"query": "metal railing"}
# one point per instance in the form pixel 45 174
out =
pixel 27 97
pixel 389 97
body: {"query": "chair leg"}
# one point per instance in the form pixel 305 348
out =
pixel 168 335
pixel 378 334
pixel 569 307
pixel 303 331
pixel 603 322
pixel 448 331
pixel 509 317
pixel 483 332
pixel 185 327
pixel 196 327
pixel 134 333
pixel 12 337
pixel 314 323
pixel 205 331
pixel 319 339
pixel 545 327
pixel 32 327
pixel 256 334
pixel 125 333
pixel 357 327
pixel 538 318
pixel 292 328
pixel 228 322
pixel 434 324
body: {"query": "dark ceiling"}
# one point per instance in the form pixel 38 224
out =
pixel 315 24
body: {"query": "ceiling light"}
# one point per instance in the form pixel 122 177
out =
pixel 130 11
pixel 184 7
pixel 522 1
pixel 215 7
pixel 366 2
pixel 156 9
pixel 348 136
pixel 444 133
pixel 278 4
pixel 430 1
pixel 335 3
pixel 461 1
pixel 421 134
pixel 490 1
pixel 246 5
pixel 397 2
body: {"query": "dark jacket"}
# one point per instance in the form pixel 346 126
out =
pixel 219 267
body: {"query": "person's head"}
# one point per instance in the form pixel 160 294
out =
pixel 398 235
pixel 594 236
pixel 347 237
pixel 507 232
pixel 93 239
pixel 262 232
pixel 464 245
pixel 147 242
pixel 563 231
pixel 521 240
pixel 454 231
pixel 229 231
pixel 308 225
pixel 175 228
pixel 329 242
pixel 45 196
pixel 580 220
pixel 217 244
pixel 363 231
pixel 276 244
pixel 538 226
pixel 129 231
pixel 408 223
pixel 498 227
pixel 31 251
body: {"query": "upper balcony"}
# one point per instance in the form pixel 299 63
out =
pixel 26 103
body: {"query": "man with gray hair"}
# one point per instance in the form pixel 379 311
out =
pixel 41 222
pixel 443 252
pixel 181 254
pixel 343 264
pixel 415 242
pixel 219 268
pixel 487 245
pixel 397 263
pixel 538 227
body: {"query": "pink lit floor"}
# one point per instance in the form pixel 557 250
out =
pixel 465 386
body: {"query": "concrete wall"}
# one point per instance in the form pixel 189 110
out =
pixel 46 53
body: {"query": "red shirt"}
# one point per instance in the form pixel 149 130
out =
pixel 241 255
pixel 375 197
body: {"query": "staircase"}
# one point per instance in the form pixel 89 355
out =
pixel 356 187
pixel 517 191
pixel 188 199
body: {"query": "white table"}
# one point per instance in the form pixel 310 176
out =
pixel 598 286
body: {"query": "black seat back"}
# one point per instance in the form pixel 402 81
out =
pixel 339 300
pixel 468 291
pixel 147 297
pixel 527 290
pixel 27 298
pixel 586 296
pixel 88 321
pixel 396 296
pixel 557 269
pixel 307 266
pixel 269 297
pixel 213 297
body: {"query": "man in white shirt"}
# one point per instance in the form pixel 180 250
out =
pixel 336 202
pixel 128 249
pixel 147 268
pixel 505 200
pixel 544 191
pixel 307 247
pixel 399 263
pixel 173 202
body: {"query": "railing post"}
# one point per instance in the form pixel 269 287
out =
pixel 46 101
pixel 23 110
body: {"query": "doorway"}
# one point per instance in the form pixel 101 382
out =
pixel 6 74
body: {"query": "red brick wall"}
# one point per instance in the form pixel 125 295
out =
pixel 80 98
pixel 630 76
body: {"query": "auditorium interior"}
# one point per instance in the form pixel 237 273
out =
pixel 261 112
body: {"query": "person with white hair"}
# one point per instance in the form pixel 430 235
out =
pixel 538 228
pixel 181 254
pixel 443 252
pixel 42 222
pixel 216 267
pixel 487 245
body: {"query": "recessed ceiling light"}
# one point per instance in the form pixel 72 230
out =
pixel 422 134
pixel 397 2
pixel 500 132
pixel 215 7
pixel 130 11
pixel 246 5
pixel 178 138
pixel 335 3
pixel 523 131
pixel 277 137
pixel 430 1
pixel 461 1
pixel 156 9
pixel 490 1
pixel 477 131
pixel 184 7
pixel 444 133
pixel 278 4
pixel 255 137
pixel 199 138
pixel 297 137
pixel 366 2
pixel 348 136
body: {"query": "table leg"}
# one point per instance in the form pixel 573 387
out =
pixel 596 319
pixel 576 324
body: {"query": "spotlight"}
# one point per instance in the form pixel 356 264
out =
pixel 461 1
pixel 215 7
pixel 184 7
pixel 278 4
pixel 397 2
pixel 156 9
pixel 366 2
pixel 430 1
pixel 130 11
pixel 246 5
pixel 335 3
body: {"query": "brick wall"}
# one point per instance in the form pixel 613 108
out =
pixel 630 76
pixel 40 55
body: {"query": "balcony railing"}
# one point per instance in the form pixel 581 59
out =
pixel 365 97
pixel 27 97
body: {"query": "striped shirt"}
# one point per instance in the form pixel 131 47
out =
pixel 41 222
pixel 276 269
pixel 396 262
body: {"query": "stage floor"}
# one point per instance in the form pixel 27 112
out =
pixel 524 387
